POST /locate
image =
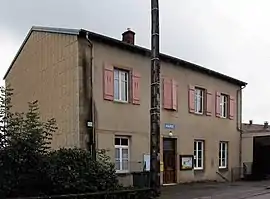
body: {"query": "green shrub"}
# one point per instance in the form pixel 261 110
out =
pixel 28 167
pixel 74 171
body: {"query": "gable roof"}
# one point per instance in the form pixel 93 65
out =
pixel 129 47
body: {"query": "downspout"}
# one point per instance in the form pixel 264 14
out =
pixel 239 122
pixel 92 131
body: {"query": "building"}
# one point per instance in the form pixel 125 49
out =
pixel 200 109
pixel 256 150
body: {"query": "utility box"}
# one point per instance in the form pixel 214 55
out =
pixel 141 179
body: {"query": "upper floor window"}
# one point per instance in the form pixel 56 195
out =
pixel 199 100
pixel 121 154
pixel 224 108
pixel 121 85
pixel 198 155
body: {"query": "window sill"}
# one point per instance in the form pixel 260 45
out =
pixel 199 114
pixel 122 172
pixel 223 169
pixel 198 169
pixel 223 117
pixel 120 101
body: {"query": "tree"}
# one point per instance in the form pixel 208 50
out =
pixel 29 167
pixel 25 140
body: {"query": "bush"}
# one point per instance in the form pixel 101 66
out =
pixel 74 171
pixel 28 167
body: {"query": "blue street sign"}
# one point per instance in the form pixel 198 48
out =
pixel 169 126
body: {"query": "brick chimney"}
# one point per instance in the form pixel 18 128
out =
pixel 265 125
pixel 128 36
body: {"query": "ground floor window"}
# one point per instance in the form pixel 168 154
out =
pixel 122 154
pixel 223 155
pixel 198 154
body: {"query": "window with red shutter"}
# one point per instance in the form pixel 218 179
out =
pixel 174 95
pixel 121 85
pixel 167 93
pixel 232 107
pixel 136 88
pixel 224 105
pixel 108 91
pixel 218 105
pixel 191 98
pixel 199 99
pixel 209 103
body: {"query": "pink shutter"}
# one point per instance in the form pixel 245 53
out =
pixel 209 103
pixel 174 95
pixel 108 90
pixel 136 88
pixel 191 98
pixel 167 93
pixel 232 107
pixel 218 104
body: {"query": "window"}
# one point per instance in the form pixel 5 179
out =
pixel 198 154
pixel 199 100
pixel 121 154
pixel 223 155
pixel 224 99
pixel 121 85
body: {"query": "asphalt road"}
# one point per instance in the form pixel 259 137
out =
pixel 263 196
pixel 240 190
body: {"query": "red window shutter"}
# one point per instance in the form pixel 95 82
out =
pixel 136 88
pixel 232 107
pixel 174 95
pixel 191 98
pixel 167 93
pixel 218 104
pixel 209 104
pixel 108 90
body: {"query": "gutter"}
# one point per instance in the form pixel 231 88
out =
pixel 92 130
pixel 239 122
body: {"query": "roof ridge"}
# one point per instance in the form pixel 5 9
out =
pixel 133 48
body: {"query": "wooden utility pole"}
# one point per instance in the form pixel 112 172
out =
pixel 155 101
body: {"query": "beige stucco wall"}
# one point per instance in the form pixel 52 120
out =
pixel 52 65
pixel 46 70
pixel 133 120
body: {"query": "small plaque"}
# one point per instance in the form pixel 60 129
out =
pixel 186 162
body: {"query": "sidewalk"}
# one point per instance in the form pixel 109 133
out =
pixel 214 190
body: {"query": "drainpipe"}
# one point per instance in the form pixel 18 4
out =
pixel 239 122
pixel 92 131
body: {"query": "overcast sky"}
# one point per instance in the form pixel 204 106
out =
pixel 231 37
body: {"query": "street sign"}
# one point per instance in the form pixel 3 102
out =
pixel 169 126
pixel 90 124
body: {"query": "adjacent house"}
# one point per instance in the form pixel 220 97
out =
pixel 255 150
pixel 79 76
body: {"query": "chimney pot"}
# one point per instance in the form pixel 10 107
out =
pixel 250 122
pixel 128 36
pixel 266 125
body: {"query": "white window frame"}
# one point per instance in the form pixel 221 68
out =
pixel 121 147
pixel 223 146
pixel 199 100
pixel 196 154
pixel 120 72
pixel 224 104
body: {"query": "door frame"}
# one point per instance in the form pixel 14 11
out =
pixel 174 139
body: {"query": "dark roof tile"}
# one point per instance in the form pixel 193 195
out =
pixel 129 47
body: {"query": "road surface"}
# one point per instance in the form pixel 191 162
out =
pixel 263 196
pixel 240 190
